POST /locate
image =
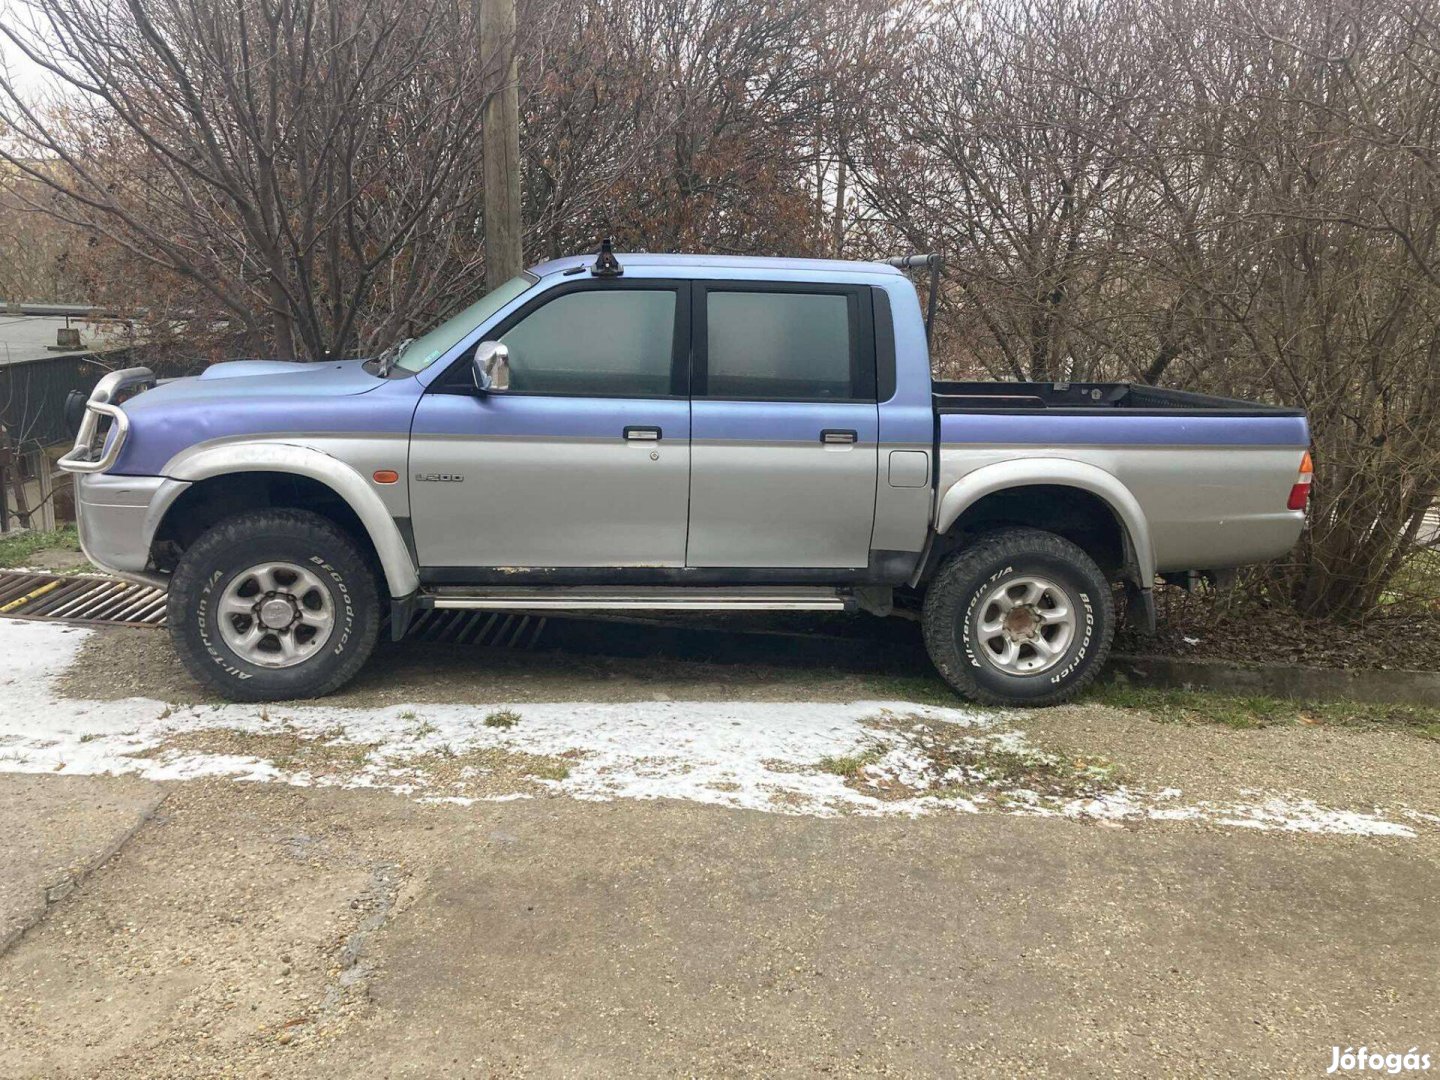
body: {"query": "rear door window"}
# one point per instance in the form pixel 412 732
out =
pixel 778 343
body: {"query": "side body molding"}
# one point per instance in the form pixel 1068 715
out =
pixel 1063 472
pixel 202 463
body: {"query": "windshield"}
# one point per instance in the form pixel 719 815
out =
pixel 429 347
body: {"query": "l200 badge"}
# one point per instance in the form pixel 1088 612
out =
pixel 440 477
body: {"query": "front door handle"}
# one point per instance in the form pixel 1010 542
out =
pixel 832 436
pixel 642 434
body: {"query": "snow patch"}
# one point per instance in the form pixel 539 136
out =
pixel 756 755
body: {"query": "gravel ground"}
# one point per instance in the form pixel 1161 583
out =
pixel 1347 767
pixel 261 930
pixel 125 663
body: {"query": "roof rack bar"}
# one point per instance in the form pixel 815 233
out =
pixel 910 262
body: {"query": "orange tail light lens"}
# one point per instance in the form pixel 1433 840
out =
pixel 1300 493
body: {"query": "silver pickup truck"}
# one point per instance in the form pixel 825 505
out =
pixel 670 432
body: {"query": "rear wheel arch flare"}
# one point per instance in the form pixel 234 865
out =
pixel 1014 494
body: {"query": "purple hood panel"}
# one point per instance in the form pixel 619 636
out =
pixel 231 369
pixel 237 379
pixel 261 398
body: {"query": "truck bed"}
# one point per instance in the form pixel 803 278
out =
pixel 1212 476
pixel 1085 398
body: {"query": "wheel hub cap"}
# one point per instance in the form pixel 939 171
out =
pixel 1021 623
pixel 276 614
pixel 1025 625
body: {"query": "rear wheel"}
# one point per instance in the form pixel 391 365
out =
pixel 273 604
pixel 1020 617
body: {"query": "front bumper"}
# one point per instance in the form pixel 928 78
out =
pixel 117 518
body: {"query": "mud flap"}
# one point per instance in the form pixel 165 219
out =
pixel 1140 609
pixel 402 611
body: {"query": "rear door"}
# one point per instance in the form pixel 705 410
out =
pixel 784 426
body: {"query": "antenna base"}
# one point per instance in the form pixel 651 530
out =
pixel 606 265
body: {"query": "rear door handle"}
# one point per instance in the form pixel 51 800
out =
pixel 838 435
pixel 642 434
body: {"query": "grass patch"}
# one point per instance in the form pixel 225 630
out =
pixel 550 770
pixel 419 729
pixel 489 770
pixel 1253 712
pixel 1418 579
pixel 18 549
pixel 290 750
pixel 503 718
pixel 978 766
pixel 951 761
pixel 851 765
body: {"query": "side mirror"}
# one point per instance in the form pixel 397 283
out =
pixel 492 367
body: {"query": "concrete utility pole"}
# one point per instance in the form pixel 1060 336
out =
pixel 504 256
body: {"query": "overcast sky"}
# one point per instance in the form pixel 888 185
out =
pixel 26 75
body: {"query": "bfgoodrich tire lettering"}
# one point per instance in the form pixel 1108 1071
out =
pixel 1041 574
pixel 282 537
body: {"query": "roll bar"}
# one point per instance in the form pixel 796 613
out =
pixel 935 264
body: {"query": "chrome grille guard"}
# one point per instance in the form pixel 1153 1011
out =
pixel 91 453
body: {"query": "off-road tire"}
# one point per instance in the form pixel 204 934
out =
pixel 949 618
pixel 232 546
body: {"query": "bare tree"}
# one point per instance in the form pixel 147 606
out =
pixel 311 168
pixel 1241 199
pixel 41 259
pixel 1330 294
pixel 685 124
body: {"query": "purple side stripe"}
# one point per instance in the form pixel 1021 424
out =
pixel 1113 428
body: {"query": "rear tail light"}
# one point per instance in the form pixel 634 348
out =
pixel 1300 493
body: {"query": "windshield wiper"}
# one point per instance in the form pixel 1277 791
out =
pixel 389 357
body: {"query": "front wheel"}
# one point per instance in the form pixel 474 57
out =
pixel 1020 617
pixel 273 604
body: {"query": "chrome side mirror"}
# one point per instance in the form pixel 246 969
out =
pixel 492 367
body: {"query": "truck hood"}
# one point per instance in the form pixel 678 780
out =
pixel 238 380
pixel 258 398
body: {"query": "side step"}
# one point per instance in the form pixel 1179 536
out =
pixel 639 598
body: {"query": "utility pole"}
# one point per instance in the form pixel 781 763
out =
pixel 504 255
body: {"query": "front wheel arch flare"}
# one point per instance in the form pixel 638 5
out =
pixel 401 576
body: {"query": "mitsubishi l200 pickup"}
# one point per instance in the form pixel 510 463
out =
pixel 671 432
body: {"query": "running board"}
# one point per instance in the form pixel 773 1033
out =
pixel 659 598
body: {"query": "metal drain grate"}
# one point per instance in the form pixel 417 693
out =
pixel 80 599
pixel 107 602
pixel 495 629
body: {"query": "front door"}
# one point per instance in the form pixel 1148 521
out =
pixel 784 426
pixel 584 461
